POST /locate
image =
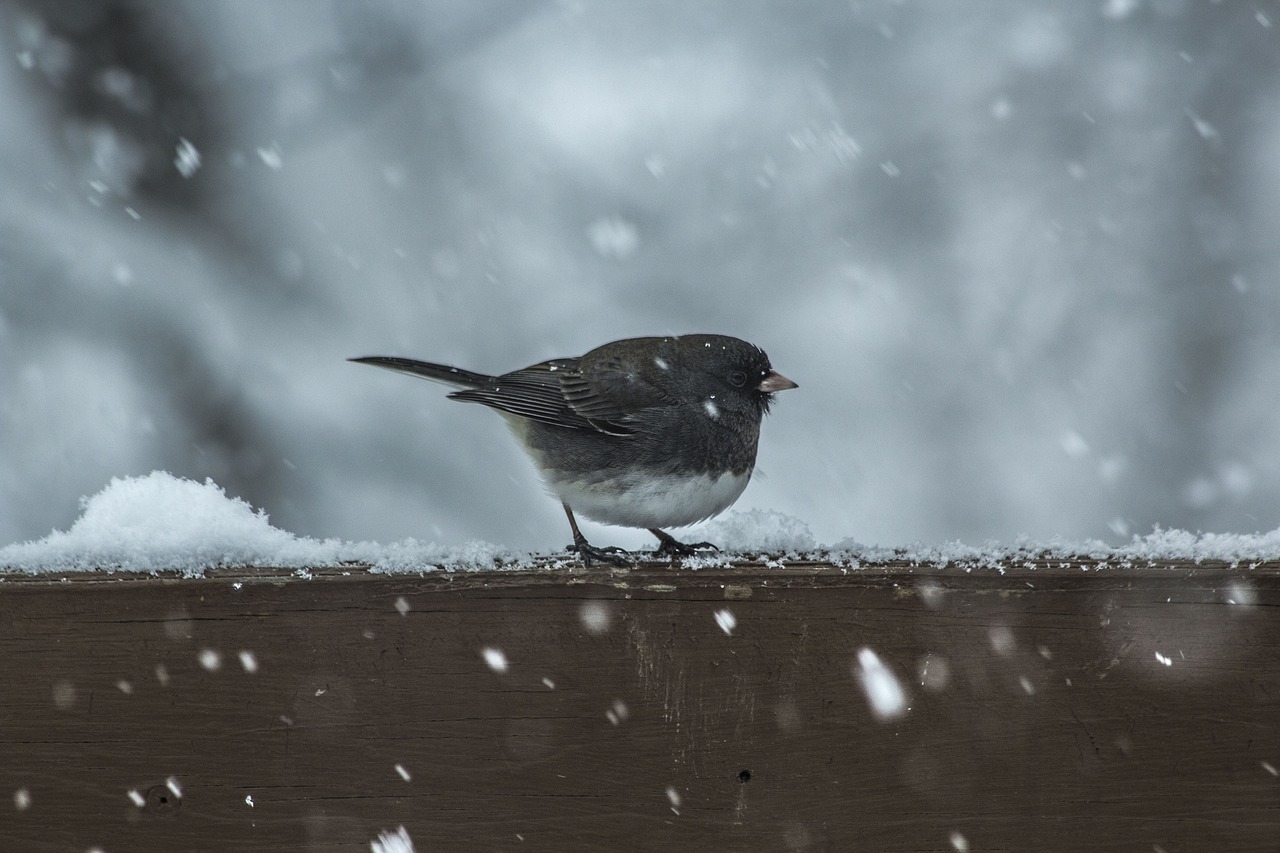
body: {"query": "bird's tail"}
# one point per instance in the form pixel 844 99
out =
pixel 455 376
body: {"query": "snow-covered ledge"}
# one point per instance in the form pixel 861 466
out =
pixel 164 524
pixel 178 674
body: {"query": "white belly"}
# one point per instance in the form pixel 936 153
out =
pixel 629 500
pixel 668 501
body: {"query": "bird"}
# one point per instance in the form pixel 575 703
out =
pixel 650 432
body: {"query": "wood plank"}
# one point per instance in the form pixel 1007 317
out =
pixel 1042 712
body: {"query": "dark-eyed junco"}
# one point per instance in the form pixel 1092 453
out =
pixel 643 432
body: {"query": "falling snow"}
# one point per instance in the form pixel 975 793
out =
pixel 618 712
pixel 495 659
pixel 187 158
pixel 595 616
pixel 884 692
pixel 392 842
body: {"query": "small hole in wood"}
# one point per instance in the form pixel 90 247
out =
pixel 744 777
pixel 161 801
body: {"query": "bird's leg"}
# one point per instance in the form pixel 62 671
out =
pixel 671 547
pixel 589 552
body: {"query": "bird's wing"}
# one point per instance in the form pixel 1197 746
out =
pixel 612 387
pixel 600 395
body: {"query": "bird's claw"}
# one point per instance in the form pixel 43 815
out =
pixel 669 546
pixel 611 554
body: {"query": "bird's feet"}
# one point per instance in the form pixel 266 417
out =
pixel 669 546
pixel 610 554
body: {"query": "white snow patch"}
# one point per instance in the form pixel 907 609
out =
pixel 210 659
pixel 160 522
pixel 759 531
pixel 1161 544
pixel 404 774
pixel 248 661
pixel 958 842
pixel 135 797
pixel 22 799
pixel 248 800
pixel 884 692
pixel 712 410
pixel 673 796
pixel 726 620
pixel 548 683
pixel 1167 661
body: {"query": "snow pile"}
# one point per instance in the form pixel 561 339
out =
pixel 162 522
pixel 758 531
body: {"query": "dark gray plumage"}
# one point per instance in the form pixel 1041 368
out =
pixel 642 432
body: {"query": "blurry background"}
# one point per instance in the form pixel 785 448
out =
pixel 1022 258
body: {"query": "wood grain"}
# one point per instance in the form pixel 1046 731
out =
pixel 1050 706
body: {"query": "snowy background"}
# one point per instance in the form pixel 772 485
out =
pixel 1022 258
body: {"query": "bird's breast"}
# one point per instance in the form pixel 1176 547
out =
pixel 634 499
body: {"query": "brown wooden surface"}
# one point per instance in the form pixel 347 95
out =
pixel 1056 728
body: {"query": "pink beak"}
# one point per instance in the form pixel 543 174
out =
pixel 775 381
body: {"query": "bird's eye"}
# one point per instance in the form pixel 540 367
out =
pixel 737 379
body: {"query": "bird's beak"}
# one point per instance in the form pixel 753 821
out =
pixel 775 381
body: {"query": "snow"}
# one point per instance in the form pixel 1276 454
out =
pixel 186 158
pixel 884 692
pixel 618 712
pixel 393 842
pixel 595 616
pixel 495 659
pixel 159 522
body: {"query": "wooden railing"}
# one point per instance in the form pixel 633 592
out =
pixel 1049 705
